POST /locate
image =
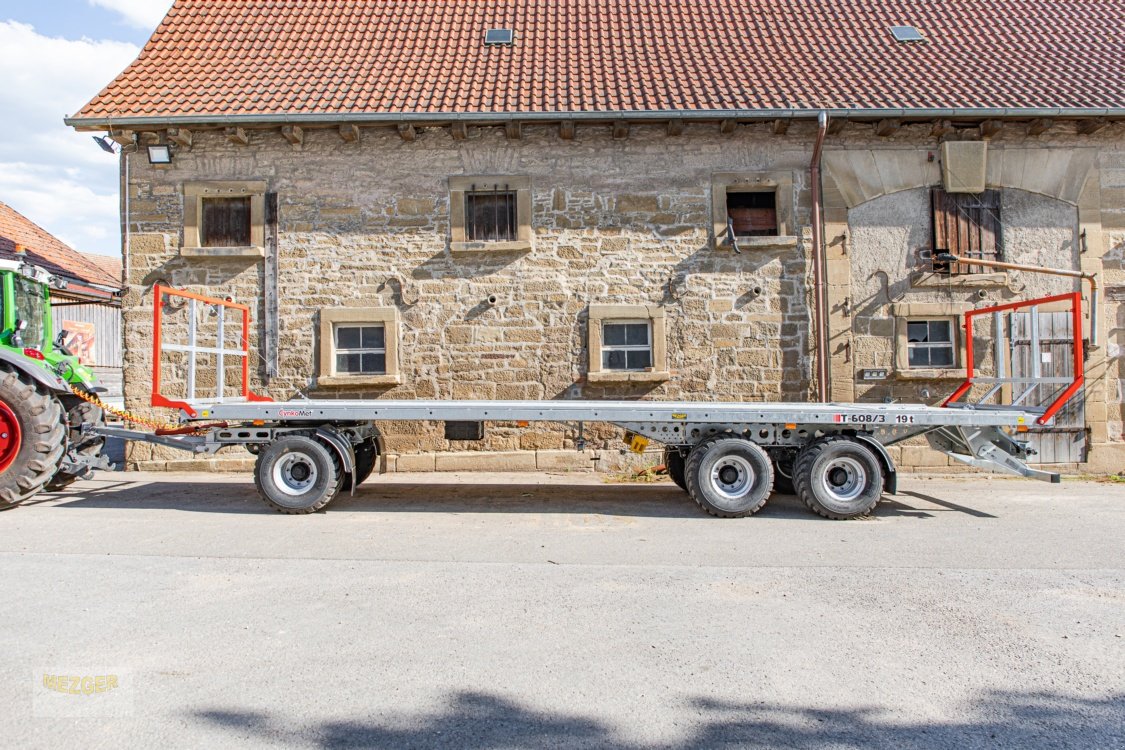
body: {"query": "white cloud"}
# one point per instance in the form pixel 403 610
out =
pixel 55 176
pixel 144 14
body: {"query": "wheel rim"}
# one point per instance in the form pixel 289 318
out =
pixel 732 477
pixel 844 479
pixel 10 436
pixel 295 474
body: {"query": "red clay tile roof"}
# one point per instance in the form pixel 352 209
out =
pixel 47 251
pixel 111 264
pixel 250 58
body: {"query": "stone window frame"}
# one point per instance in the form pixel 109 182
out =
pixel 331 317
pixel 459 185
pixel 778 182
pixel 954 312
pixel 655 314
pixel 195 192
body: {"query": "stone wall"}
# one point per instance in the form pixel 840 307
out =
pixel 628 221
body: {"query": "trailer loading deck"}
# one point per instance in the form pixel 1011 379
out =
pixel 729 457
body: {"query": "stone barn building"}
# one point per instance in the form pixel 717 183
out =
pixel 628 199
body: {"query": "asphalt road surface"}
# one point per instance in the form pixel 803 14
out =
pixel 504 611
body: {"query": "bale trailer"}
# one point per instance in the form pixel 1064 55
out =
pixel 729 457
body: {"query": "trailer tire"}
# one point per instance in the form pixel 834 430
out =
pixel 366 454
pixel 838 477
pixel 729 477
pixel 36 438
pixel 674 463
pixel 298 474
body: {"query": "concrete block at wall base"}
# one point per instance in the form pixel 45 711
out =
pixel 485 461
pixel 1105 458
pixel 220 465
pixel 413 462
pixel 561 460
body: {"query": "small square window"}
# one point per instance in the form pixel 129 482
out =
pixel 361 350
pixel 225 222
pixel 752 213
pixel 929 344
pixel 490 216
pixel 626 345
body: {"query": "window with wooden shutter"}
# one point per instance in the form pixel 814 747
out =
pixel 225 222
pixel 968 225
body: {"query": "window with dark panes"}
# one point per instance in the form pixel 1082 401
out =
pixel 490 216
pixel 968 225
pixel 752 214
pixel 929 344
pixel 225 222
pixel 626 345
pixel 361 349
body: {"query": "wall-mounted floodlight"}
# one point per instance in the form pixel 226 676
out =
pixel 105 143
pixel 159 155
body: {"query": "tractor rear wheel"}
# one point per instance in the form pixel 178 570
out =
pixel 32 438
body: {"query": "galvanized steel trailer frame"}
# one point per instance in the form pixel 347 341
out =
pixel 979 435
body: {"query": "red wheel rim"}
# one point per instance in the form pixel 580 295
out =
pixel 9 437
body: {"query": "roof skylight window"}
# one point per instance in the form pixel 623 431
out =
pixel 907 34
pixel 499 36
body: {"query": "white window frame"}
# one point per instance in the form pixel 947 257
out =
pixel 338 350
pixel 358 317
pixel 647 347
pixel 950 344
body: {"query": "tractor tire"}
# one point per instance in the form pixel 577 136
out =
pixel 366 455
pixel 32 438
pixel 298 474
pixel 729 477
pixel 838 477
pixel 674 463
pixel 80 446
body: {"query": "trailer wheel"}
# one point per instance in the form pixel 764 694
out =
pixel 298 474
pixel 32 438
pixel 366 454
pixel 838 477
pixel 674 463
pixel 729 477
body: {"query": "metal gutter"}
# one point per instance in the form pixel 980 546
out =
pixel 437 118
pixel 820 265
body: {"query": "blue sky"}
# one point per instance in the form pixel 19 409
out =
pixel 54 56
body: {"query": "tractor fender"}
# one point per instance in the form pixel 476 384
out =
pixel 890 475
pixel 342 446
pixel 41 375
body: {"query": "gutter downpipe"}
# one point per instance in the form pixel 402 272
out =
pixel 1095 329
pixel 820 266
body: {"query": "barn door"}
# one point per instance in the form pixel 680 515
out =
pixel 1065 440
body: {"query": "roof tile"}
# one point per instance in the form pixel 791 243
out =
pixel 265 57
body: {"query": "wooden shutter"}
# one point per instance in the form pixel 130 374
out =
pixel 226 222
pixel 966 224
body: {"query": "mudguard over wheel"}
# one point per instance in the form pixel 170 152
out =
pixel 674 463
pixel 32 438
pixel 729 477
pixel 366 454
pixel 298 474
pixel 838 477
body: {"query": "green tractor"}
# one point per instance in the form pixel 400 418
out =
pixel 43 393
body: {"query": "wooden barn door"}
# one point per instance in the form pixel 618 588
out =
pixel 1065 440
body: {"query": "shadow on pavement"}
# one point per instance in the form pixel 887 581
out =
pixel 660 500
pixel 479 721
